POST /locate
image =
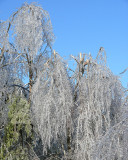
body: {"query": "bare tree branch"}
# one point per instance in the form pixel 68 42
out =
pixel 124 71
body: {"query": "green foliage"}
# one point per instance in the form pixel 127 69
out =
pixel 17 132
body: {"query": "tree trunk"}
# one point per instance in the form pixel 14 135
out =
pixel 30 81
pixel 69 139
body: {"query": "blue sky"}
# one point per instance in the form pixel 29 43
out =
pixel 84 26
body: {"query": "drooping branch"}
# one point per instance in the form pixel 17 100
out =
pixel 19 86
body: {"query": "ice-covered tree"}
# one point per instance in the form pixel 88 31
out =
pixel 100 101
pixel 28 35
pixel 25 44
pixel 52 102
